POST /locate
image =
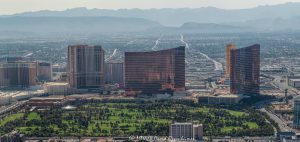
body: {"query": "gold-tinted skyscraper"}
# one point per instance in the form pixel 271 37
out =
pixel 245 70
pixel 229 47
pixel 156 71
pixel 86 66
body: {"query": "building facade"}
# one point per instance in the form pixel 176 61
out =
pixel 245 70
pixel 198 131
pixel 114 73
pixel 18 74
pixel 294 82
pixel 296 121
pixel 44 71
pixel 229 47
pixel 49 102
pixel 219 99
pixel 155 72
pixel 186 131
pixel 57 88
pixel 86 66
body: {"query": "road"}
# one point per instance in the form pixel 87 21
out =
pixel 281 86
pixel 182 40
pixel 11 107
pixel 186 46
pixel 130 42
pixel 112 55
pixel 154 48
pixel 282 125
pixel 218 65
pixel 4 111
pixel 28 55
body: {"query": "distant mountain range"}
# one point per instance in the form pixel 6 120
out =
pixel 177 17
pixel 86 25
pixel 264 18
pixel 193 27
pixel 275 24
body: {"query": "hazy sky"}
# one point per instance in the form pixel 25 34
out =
pixel 17 6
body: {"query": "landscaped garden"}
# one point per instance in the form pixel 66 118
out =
pixel 112 118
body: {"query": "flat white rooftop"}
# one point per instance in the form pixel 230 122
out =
pixel 295 80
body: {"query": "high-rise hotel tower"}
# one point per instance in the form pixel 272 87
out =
pixel 155 72
pixel 245 70
pixel 114 73
pixel 229 47
pixel 18 74
pixel 85 66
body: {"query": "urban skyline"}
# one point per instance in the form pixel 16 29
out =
pixel 82 55
pixel 141 70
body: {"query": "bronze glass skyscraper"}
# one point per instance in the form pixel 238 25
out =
pixel 245 70
pixel 86 66
pixel 229 47
pixel 155 72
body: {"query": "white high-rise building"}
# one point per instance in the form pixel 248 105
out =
pixel 186 131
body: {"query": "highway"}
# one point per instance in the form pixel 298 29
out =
pixel 112 55
pixel 4 111
pixel 282 125
pixel 11 107
pixel 182 40
pixel 28 55
pixel 155 47
pixel 130 42
pixel 218 65
pixel 187 46
pixel 292 91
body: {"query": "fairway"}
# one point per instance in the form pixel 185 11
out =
pixel 33 116
pixel 11 118
pixel 135 118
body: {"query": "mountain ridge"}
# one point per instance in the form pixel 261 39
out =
pixel 179 16
pixel 75 24
pixel 208 19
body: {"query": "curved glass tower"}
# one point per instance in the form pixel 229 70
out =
pixel 245 70
pixel 155 72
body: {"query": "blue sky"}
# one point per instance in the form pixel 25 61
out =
pixel 17 6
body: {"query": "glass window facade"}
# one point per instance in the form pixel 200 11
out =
pixel 18 74
pixel 86 66
pixel 155 72
pixel 245 70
